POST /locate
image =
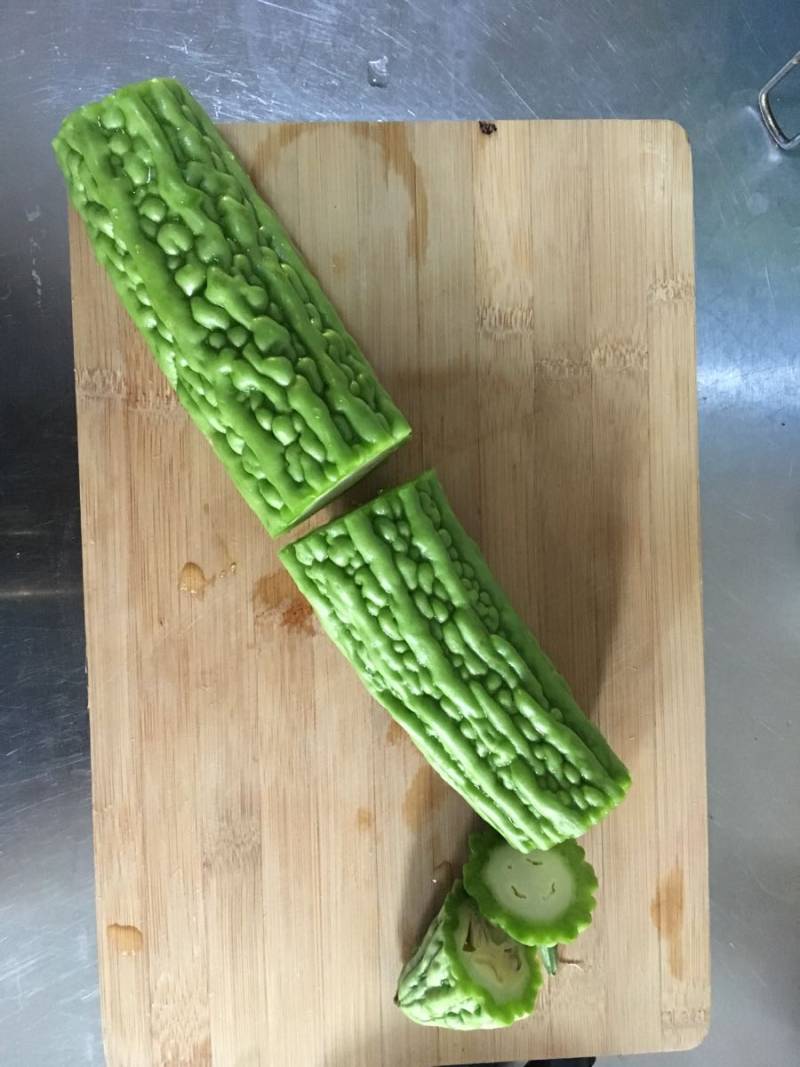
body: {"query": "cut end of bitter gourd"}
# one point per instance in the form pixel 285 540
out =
pixel 255 351
pixel 468 974
pixel 538 898
pixel 408 598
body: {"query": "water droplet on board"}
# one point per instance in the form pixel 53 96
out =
pixel 378 72
pixel 442 873
pixel 126 940
pixel 191 580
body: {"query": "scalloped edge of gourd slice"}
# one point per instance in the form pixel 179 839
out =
pixel 538 897
pixel 447 984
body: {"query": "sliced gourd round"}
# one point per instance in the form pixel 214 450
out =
pixel 467 974
pixel 537 897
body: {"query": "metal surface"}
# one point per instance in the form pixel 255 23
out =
pixel 701 64
pixel 774 128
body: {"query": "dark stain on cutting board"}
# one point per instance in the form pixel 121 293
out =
pixel 365 820
pixel 395 734
pixel 392 139
pixel 423 797
pixel 277 601
pixel 666 912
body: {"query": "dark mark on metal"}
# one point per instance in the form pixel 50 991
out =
pixel 378 72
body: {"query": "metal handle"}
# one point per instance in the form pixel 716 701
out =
pixel 772 124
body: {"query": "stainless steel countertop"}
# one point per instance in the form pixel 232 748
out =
pixel 699 63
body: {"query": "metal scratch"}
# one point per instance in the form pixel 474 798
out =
pixel 517 95
pixel 769 286
pixel 399 40
pixel 35 275
pixel 514 92
pixel 293 11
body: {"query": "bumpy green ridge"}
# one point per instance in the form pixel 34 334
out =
pixel 467 974
pixel 407 597
pixel 540 898
pixel 236 321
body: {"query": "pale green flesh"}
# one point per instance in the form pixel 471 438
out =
pixel 490 957
pixel 537 886
pixel 345 483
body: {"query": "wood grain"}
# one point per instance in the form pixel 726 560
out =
pixel 268 843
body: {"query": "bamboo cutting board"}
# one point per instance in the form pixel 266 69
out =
pixel 269 846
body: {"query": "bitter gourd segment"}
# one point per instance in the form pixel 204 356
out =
pixel 408 598
pixel 255 351
pixel 467 974
pixel 540 898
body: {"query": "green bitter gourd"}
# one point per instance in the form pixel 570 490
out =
pixel 236 321
pixel 467 974
pixel 539 898
pixel 408 598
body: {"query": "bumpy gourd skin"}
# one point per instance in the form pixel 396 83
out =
pixel 255 351
pixel 542 898
pixel 407 597
pixel 466 973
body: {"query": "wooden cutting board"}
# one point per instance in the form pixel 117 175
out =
pixel 269 845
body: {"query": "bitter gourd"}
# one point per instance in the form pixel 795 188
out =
pixel 255 351
pixel 408 598
pixel 540 898
pixel 467 974
pixel 549 955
